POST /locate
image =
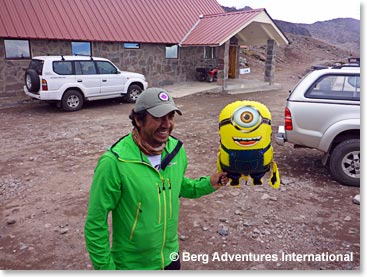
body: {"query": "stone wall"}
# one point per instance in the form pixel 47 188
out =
pixel 149 60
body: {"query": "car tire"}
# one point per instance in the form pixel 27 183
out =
pixel 344 163
pixel 32 80
pixel 72 101
pixel 133 93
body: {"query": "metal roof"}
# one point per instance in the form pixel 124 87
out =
pixel 251 27
pixel 146 21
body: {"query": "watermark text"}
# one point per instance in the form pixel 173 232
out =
pixel 205 258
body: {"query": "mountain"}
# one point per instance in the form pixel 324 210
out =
pixel 341 32
pixel 233 9
pixel 292 28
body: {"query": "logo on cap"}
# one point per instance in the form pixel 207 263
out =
pixel 163 96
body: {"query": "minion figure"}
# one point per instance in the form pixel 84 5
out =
pixel 245 143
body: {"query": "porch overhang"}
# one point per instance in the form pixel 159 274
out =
pixel 254 27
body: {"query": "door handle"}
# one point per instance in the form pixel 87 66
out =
pixel 104 80
pixel 79 81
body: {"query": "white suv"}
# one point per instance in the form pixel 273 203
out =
pixel 69 81
pixel 323 112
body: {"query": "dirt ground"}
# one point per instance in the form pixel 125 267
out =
pixel 46 168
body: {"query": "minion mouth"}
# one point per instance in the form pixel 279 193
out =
pixel 246 141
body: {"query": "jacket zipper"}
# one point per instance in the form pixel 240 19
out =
pixel 164 222
pixel 138 211
pixel 159 204
pixel 170 198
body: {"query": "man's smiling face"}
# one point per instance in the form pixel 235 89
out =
pixel 156 130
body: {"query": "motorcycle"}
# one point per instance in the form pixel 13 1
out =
pixel 209 74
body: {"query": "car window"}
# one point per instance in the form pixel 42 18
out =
pixel 105 67
pixel 37 65
pixel 85 68
pixel 354 81
pixel 337 87
pixel 63 67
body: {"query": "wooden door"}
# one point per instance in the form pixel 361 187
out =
pixel 232 62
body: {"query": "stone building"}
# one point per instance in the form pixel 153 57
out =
pixel 166 40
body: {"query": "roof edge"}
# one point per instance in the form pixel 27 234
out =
pixel 280 30
pixel 237 12
pixel 189 32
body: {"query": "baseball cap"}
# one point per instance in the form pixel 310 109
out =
pixel 156 101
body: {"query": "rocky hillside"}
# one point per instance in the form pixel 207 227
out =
pixel 341 32
pixel 293 28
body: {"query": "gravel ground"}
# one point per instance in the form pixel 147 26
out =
pixel 47 164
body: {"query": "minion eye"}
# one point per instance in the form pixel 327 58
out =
pixel 246 117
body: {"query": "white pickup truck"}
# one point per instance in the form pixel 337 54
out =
pixel 323 112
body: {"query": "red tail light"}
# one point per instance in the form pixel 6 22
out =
pixel 44 84
pixel 288 120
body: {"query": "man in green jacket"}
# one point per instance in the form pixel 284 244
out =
pixel 140 180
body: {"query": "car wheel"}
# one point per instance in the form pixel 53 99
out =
pixel 72 101
pixel 32 80
pixel 344 163
pixel 133 93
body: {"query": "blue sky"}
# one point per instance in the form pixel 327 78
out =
pixel 302 11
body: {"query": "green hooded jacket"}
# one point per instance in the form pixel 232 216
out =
pixel 145 207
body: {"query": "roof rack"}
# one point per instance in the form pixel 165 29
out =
pixel 318 67
pixel 354 60
pixel 91 57
pixel 346 65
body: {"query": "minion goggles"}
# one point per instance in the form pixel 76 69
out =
pixel 247 115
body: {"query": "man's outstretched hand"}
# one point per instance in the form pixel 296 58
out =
pixel 219 179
